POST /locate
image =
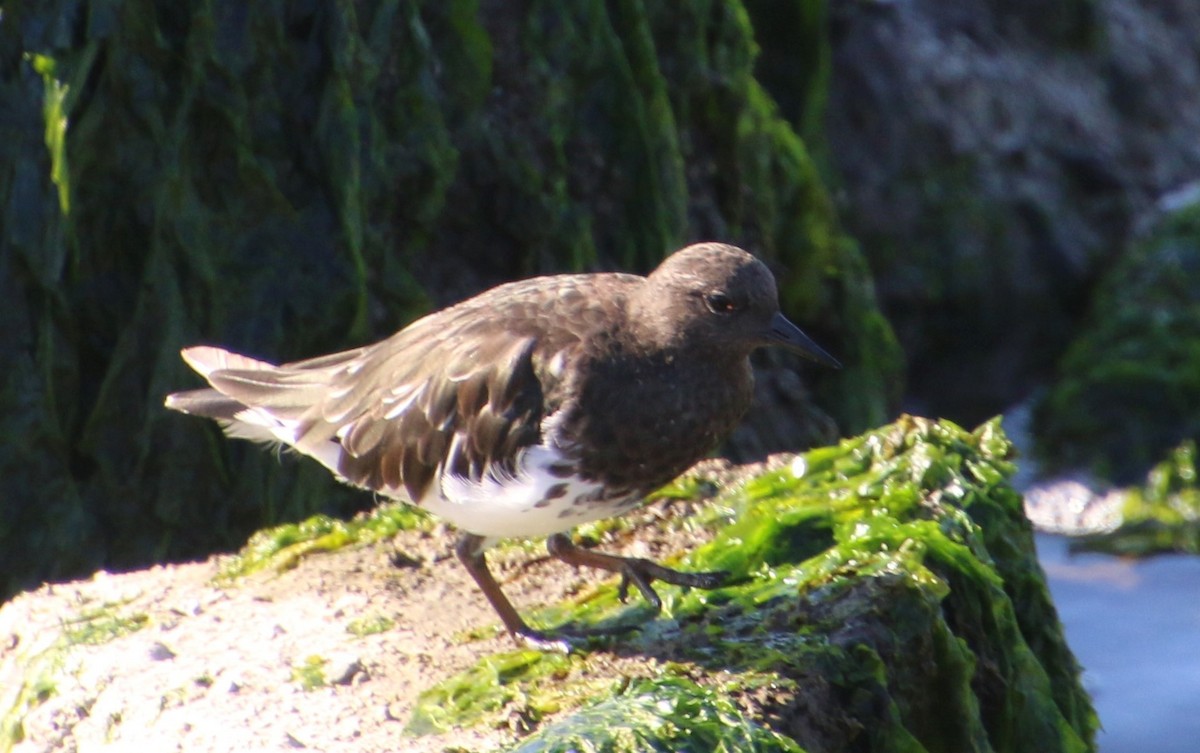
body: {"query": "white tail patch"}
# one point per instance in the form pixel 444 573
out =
pixel 258 425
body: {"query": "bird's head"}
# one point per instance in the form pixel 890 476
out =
pixel 719 299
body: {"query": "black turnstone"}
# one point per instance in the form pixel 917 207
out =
pixel 530 408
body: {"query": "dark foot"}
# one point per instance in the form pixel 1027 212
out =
pixel 640 572
pixel 636 570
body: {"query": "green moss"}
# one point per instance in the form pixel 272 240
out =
pixel 794 63
pixel 282 547
pixel 886 590
pixel 1162 515
pixel 1128 389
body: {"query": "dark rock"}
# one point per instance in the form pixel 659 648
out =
pixel 994 158
pixel 1128 389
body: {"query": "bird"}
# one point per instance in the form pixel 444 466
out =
pixel 530 408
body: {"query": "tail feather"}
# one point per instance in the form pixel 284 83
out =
pixel 284 392
pixel 269 390
pixel 246 401
pixel 206 402
pixel 257 400
pixel 236 419
pixel 206 359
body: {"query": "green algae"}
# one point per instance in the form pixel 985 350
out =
pixel 880 503
pixel 310 673
pixel 1161 515
pixel 56 108
pixel 281 547
pixel 527 683
pixel 372 625
pixel 44 663
pixel 885 588
pixel 101 625
pixel 670 715
pixel 39 686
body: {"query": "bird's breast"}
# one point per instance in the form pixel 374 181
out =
pixel 640 427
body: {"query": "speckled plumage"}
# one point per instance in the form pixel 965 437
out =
pixel 529 408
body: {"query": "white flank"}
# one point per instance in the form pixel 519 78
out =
pixel 499 505
pixel 558 364
pixel 502 506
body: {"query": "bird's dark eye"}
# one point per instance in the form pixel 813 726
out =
pixel 719 303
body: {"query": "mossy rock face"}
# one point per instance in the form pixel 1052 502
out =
pixel 1128 389
pixel 290 179
pixel 885 596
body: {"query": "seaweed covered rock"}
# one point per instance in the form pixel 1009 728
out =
pixel 885 596
pixel 1161 515
pixel 1128 389
pixel 289 179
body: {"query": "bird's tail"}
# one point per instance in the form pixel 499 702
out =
pixel 236 418
pixel 260 401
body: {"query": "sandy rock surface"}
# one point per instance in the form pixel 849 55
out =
pixel 214 667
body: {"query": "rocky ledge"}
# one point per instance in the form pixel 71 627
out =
pixel 884 595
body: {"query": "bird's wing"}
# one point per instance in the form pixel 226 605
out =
pixel 463 389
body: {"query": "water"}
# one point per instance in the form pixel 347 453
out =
pixel 1135 628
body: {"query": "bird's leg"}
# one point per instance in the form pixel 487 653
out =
pixel 636 570
pixel 470 552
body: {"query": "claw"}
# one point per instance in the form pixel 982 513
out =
pixel 632 573
pixel 566 638
pixel 623 588
pixel 541 641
